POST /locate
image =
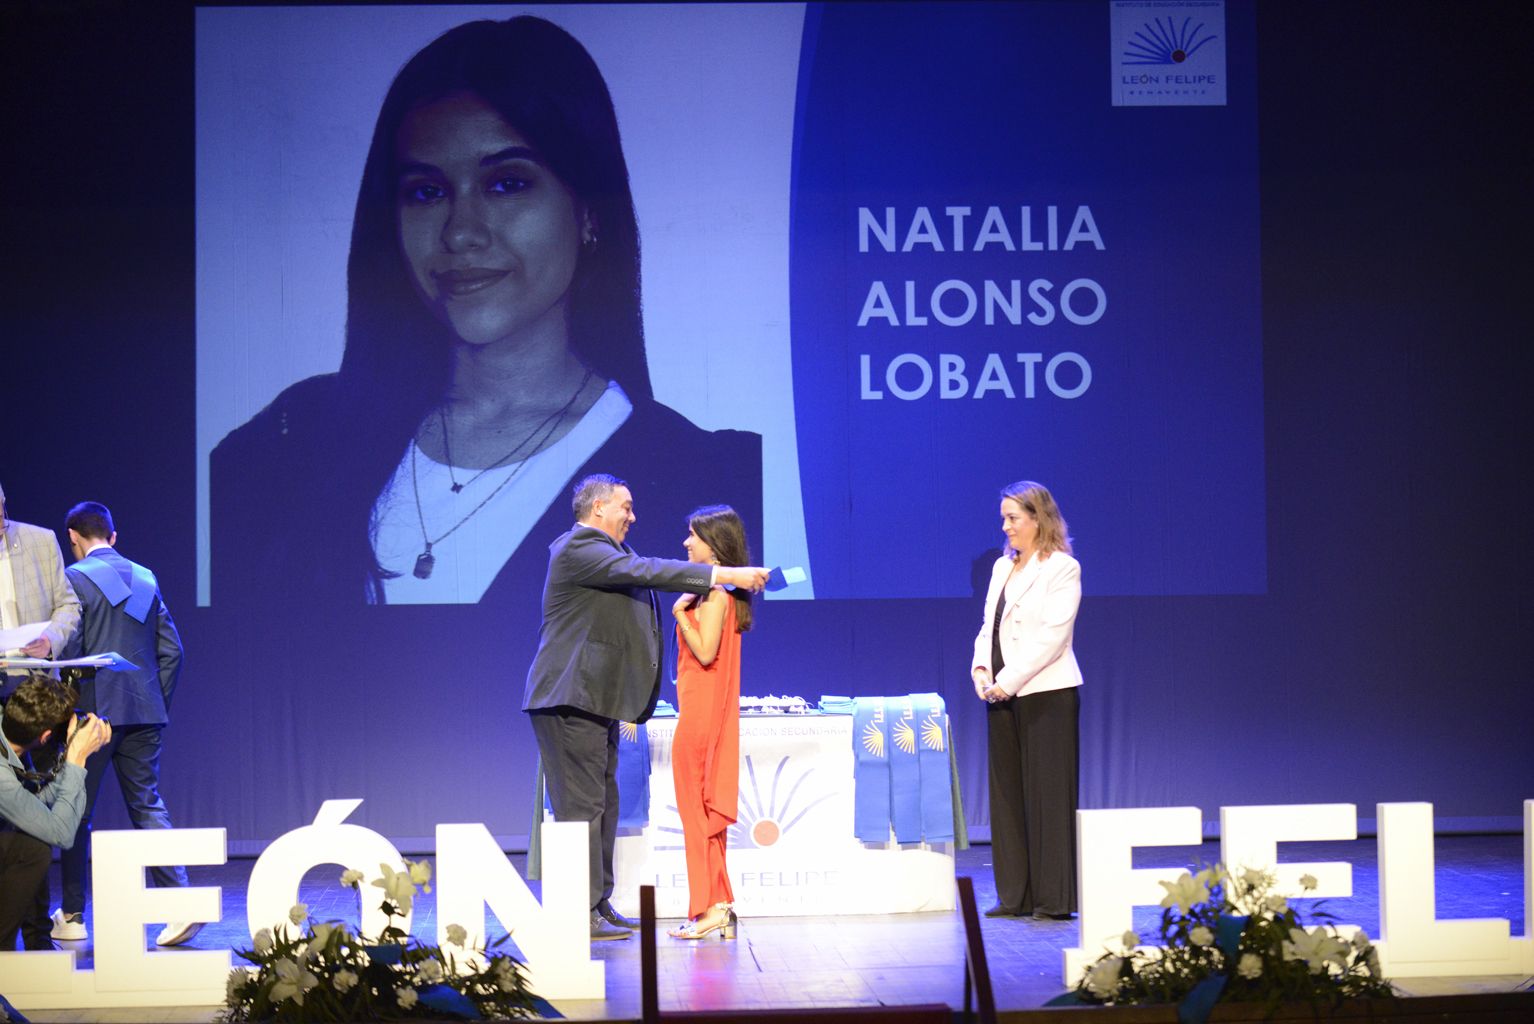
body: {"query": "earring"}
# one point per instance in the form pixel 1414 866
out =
pixel 590 241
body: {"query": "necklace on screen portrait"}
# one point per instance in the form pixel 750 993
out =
pixel 425 562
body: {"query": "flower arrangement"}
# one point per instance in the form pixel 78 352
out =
pixel 306 970
pixel 1229 936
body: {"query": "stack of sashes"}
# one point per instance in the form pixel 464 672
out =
pixel 903 768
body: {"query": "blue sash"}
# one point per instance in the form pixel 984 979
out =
pixel 871 777
pixel 140 595
pixel 633 778
pixel 905 769
pixel 633 775
pixel 936 788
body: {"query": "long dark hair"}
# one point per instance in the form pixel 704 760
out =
pixel 719 527
pixel 397 363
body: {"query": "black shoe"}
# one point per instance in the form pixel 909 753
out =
pixel 602 929
pixel 1041 915
pixel 611 916
pixel 1000 911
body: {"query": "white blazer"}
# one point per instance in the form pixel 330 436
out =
pixel 1036 626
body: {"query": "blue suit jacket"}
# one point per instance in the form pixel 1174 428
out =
pixel 122 611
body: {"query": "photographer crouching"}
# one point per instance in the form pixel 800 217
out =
pixel 39 810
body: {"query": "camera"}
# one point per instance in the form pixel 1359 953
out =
pixel 61 731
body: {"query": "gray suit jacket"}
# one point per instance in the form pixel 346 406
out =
pixel 599 648
pixel 42 592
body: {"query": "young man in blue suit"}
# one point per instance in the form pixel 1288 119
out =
pixel 122 611
pixel 599 663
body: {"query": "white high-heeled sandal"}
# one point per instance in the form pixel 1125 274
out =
pixel 695 929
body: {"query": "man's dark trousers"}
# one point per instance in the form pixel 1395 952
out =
pixel 134 752
pixel 24 864
pixel 580 768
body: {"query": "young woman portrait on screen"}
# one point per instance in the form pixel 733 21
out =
pixel 494 348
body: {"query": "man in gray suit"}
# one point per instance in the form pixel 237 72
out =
pixel 123 612
pixel 599 663
pixel 33 587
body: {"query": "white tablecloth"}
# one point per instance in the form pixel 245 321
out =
pixel 792 850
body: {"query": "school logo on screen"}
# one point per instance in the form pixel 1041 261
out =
pixel 1168 54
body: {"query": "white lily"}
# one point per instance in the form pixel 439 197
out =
pixel 1185 892
pixel 1316 947
pixel 397 887
pixel 292 982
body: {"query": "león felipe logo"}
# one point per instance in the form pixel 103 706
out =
pixel 1164 53
pixel 1158 42
pixel 873 736
pixel 904 736
pixel 763 823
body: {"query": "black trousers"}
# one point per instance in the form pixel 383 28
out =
pixel 580 768
pixel 1034 768
pixel 24 864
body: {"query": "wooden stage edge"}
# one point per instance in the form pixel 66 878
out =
pixel 1492 1007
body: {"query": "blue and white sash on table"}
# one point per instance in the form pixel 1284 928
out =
pixel 936 782
pixel 871 775
pixel 903 769
pixel 633 775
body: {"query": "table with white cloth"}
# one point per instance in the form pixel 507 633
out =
pixel 792 850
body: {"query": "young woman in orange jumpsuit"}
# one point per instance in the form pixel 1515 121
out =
pixel 705 753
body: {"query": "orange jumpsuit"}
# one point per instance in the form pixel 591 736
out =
pixel 705 761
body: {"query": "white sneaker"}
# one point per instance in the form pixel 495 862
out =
pixel 177 932
pixel 69 927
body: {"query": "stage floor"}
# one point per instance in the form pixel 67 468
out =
pixel 907 958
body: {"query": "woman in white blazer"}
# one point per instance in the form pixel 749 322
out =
pixel 1026 672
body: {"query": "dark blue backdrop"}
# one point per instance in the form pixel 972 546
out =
pixel 1387 657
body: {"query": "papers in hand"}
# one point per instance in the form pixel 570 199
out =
pixel 779 577
pixel 16 638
